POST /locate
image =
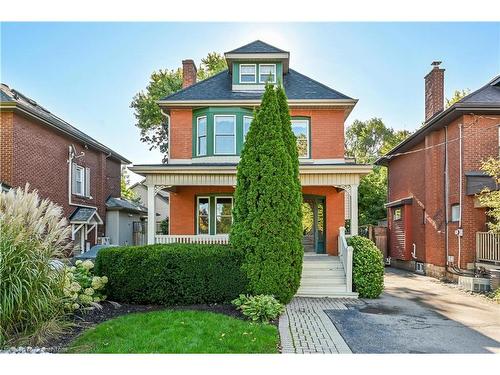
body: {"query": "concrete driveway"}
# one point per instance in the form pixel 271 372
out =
pixel 418 314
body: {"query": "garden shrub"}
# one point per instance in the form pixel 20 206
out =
pixel 32 234
pixel 172 274
pixel 368 268
pixel 261 308
pixel 82 288
pixel 267 210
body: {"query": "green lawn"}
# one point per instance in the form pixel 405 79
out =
pixel 177 332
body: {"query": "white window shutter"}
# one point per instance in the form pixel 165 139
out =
pixel 73 178
pixel 87 182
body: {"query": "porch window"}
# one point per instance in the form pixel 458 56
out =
pixel 201 132
pixel 225 127
pixel 247 120
pixel 267 73
pixel 301 130
pixel 224 214
pixel 248 73
pixel 203 215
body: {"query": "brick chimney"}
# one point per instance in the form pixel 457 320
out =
pixel 434 91
pixel 188 73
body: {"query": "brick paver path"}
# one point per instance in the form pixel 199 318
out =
pixel 305 328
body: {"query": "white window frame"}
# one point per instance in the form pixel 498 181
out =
pixel 251 119
pixel 80 171
pixel 306 121
pixel 198 136
pixel 457 218
pixel 232 206
pixel 274 65
pixel 198 215
pixel 215 135
pixel 255 74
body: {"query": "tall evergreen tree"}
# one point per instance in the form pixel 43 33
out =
pixel 264 220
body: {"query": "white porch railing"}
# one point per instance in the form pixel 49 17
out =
pixel 219 239
pixel 487 247
pixel 345 255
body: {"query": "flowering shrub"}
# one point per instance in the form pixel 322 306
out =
pixel 82 288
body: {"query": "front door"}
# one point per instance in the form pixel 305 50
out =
pixel 313 224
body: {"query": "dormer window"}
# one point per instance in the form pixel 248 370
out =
pixel 248 73
pixel 267 73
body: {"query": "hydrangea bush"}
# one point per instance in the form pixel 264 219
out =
pixel 82 288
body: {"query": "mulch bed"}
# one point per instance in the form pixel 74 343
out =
pixel 83 321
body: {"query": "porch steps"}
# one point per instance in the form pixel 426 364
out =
pixel 323 276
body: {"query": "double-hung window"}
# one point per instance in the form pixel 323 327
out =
pixel 267 73
pixel 203 208
pixel 301 130
pixel 201 134
pixel 80 181
pixel 248 73
pixel 223 214
pixel 225 138
pixel 247 120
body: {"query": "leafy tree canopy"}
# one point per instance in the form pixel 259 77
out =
pixel 457 95
pixel 164 82
pixel 126 192
pixel 491 198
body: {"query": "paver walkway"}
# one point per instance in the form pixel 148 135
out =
pixel 305 328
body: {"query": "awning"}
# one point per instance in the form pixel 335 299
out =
pixel 477 181
pixel 400 202
pixel 85 215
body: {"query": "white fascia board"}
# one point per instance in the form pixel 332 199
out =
pixel 253 102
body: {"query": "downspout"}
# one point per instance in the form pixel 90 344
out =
pixel 459 234
pixel 446 197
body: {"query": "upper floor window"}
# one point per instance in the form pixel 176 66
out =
pixel 80 180
pixel 225 134
pixel 455 212
pixel 247 120
pixel 301 130
pixel 201 131
pixel 267 73
pixel 248 73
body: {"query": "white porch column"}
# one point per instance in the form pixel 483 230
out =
pixel 354 209
pixel 151 215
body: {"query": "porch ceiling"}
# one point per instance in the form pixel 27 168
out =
pixel 225 175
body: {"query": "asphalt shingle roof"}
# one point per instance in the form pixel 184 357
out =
pixel 82 214
pixel 8 95
pixel 257 46
pixel 125 204
pixel 219 87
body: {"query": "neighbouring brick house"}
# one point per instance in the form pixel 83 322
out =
pixel 64 164
pixel 435 223
pixel 208 121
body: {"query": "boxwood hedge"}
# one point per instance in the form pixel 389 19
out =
pixel 172 274
pixel 368 269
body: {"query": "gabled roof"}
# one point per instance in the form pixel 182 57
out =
pixel 125 205
pixel 257 46
pixel 219 87
pixel 11 98
pixel 485 100
pixel 85 215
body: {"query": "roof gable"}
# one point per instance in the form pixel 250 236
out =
pixel 257 46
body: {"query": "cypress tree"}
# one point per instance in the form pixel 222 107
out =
pixel 264 220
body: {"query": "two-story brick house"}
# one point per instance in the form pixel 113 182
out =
pixel 436 225
pixel 208 121
pixel 64 164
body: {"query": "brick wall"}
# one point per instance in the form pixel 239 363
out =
pixel 40 157
pixel 6 147
pixel 181 134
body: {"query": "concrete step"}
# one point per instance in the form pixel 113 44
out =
pixel 320 273
pixel 322 282
pixel 322 266
pixel 329 294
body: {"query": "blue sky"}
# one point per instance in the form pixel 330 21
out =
pixel 87 73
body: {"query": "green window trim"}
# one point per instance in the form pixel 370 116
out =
pixel 254 74
pixel 225 134
pixel 236 74
pixel 198 136
pixel 212 211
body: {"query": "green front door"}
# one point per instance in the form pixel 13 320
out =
pixel 313 224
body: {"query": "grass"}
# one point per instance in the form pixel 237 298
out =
pixel 170 331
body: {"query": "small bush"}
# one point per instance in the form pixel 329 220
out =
pixel 261 308
pixel 495 295
pixel 32 234
pixel 368 269
pixel 172 274
pixel 82 288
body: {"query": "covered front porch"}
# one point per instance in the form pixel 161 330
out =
pixel 201 202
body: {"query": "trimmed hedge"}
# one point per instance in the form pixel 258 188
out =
pixel 172 274
pixel 368 267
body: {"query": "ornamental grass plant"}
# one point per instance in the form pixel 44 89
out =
pixel 33 233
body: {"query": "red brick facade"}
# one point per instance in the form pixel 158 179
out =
pixel 32 152
pixel 421 175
